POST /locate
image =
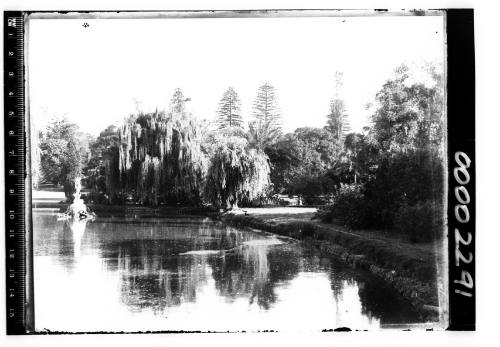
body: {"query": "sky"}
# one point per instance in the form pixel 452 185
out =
pixel 97 74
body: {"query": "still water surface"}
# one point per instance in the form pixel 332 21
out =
pixel 126 274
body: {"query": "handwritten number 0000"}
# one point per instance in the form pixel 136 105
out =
pixel 462 215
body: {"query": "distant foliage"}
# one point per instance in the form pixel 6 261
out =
pixel 35 153
pixel 358 159
pixel 104 157
pixel 64 151
pixel 236 173
pixel 409 115
pixel 265 129
pixel 178 102
pixel 337 121
pixel 229 111
pixel 262 134
pixel 301 160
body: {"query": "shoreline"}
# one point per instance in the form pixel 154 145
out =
pixel 127 210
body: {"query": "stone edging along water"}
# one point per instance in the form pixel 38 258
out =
pixel 409 277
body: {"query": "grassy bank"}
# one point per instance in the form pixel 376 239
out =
pixel 410 268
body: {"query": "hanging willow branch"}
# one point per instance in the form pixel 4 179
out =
pixel 159 159
pixel 236 173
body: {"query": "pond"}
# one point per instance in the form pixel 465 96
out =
pixel 195 274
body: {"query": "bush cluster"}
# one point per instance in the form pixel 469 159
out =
pixel 421 222
pixel 95 198
pixel 403 196
pixel 348 207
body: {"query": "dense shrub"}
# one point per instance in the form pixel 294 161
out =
pixel 95 198
pixel 401 196
pixel 421 222
pixel 349 207
pixel 315 200
pixel 403 179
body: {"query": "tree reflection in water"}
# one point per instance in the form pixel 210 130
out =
pixel 253 271
pixel 77 227
pixel 65 237
pixel 155 273
pixel 377 301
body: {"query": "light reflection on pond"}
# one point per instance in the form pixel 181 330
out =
pixel 124 274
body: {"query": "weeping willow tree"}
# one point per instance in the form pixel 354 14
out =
pixel 236 173
pixel 159 157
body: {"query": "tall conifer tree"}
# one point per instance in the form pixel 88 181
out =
pixel 337 121
pixel 266 127
pixel 229 112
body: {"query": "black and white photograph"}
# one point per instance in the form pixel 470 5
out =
pixel 236 177
pixel 239 171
